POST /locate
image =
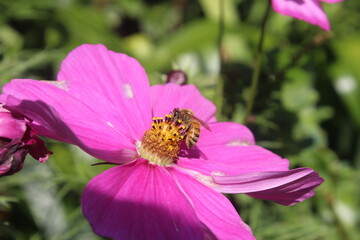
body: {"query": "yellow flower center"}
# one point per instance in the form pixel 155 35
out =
pixel 161 144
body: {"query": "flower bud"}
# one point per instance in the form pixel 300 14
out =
pixel 176 76
pixel 17 139
pixel 12 156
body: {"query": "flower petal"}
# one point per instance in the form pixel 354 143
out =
pixel 226 134
pixel 11 127
pixel 99 97
pixel 309 11
pixel 228 149
pixel 213 209
pixel 65 118
pixel 284 187
pixel 139 201
pixel 169 96
pixel 111 81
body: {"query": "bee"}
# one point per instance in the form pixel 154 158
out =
pixel 192 125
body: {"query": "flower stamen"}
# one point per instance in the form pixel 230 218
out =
pixel 161 144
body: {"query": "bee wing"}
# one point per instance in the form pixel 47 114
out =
pixel 204 124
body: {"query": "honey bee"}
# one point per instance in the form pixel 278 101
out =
pixel 192 125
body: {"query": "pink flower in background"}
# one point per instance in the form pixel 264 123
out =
pixel 103 103
pixel 16 141
pixel 307 10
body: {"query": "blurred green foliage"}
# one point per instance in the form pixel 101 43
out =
pixel 307 106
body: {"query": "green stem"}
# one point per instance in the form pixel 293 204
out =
pixel 257 65
pixel 220 83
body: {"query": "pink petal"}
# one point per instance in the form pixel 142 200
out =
pixel 169 96
pixel 213 209
pixel 95 105
pixel 228 149
pixel 307 10
pixel 112 82
pixel 284 187
pixel 11 127
pixel 139 201
pixel 225 134
pixel 66 118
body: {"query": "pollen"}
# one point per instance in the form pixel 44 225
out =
pixel 161 144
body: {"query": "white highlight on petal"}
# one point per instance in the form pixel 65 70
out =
pixel 128 91
pixel 60 84
pixel 238 142
pixel 110 124
pixel 204 179
pixel 137 146
pixel 217 173
pixel 345 84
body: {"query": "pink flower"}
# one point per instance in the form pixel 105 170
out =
pixel 103 103
pixel 307 10
pixel 16 141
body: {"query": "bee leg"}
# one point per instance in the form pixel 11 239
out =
pixel 190 142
